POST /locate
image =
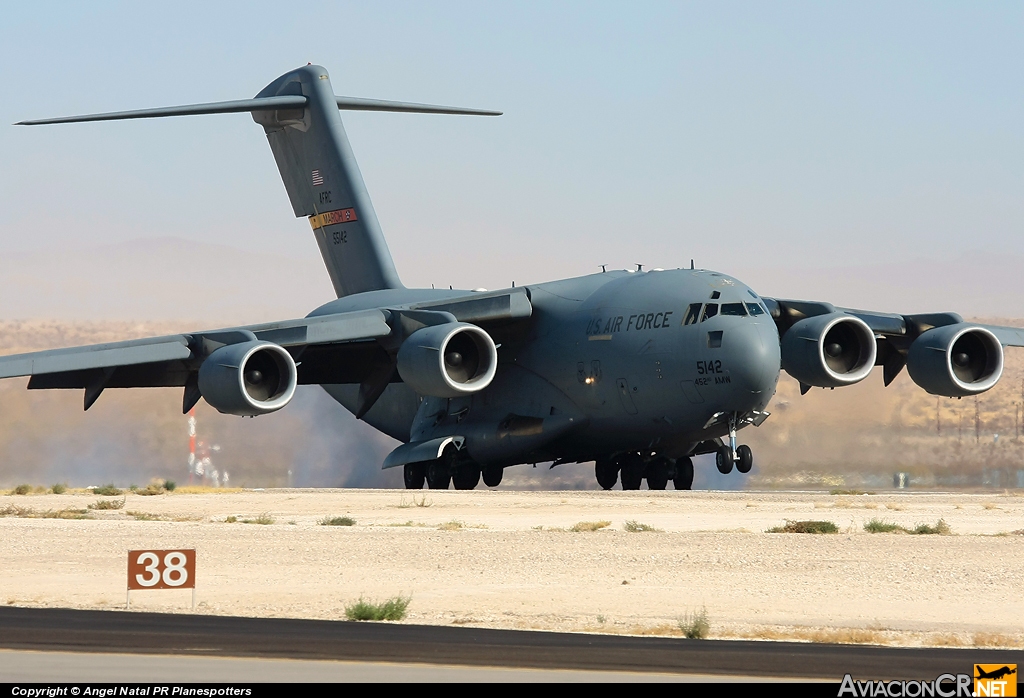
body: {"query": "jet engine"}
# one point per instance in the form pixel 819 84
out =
pixel 448 360
pixel 956 360
pixel 248 379
pixel 829 350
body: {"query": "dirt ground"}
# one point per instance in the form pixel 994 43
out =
pixel 507 559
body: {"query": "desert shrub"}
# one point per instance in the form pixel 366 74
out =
pixel 170 485
pixel 941 528
pixel 149 490
pixel 637 527
pixel 107 504
pixel 59 488
pixel 392 609
pixel 22 489
pixel 337 521
pixel 805 527
pixel 107 491
pixel 263 519
pixel 695 626
pixel 879 526
pixel 586 526
pixel 452 525
pixel 231 519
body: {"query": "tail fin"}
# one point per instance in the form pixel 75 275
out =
pixel 299 113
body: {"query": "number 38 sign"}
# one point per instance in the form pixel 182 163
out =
pixel 162 569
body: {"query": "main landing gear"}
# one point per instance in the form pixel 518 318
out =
pixel 449 470
pixel 634 469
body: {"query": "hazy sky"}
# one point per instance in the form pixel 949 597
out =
pixel 739 134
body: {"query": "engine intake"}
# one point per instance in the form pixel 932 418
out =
pixel 248 379
pixel 956 360
pixel 448 360
pixel 829 351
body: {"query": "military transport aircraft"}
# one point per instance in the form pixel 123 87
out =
pixel 637 371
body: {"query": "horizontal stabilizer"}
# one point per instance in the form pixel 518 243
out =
pixel 282 102
pixel 238 105
pixel 359 104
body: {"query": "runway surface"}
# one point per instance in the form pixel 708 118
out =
pixel 63 630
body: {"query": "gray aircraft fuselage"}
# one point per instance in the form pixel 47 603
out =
pixel 608 363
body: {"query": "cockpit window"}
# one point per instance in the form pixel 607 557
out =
pixel 710 310
pixel 755 309
pixel 733 309
pixel 692 314
pixel 715 295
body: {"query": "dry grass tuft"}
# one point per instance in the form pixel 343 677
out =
pixel 993 640
pixel 394 608
pixel 337 521
pixel 805 527
pixel 108 504
pixel 695 626
pixel 263 519
pixel 637 527
pixel 588 526
pixel 452 525
pixel 144 516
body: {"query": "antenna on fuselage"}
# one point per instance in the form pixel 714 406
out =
pixel 691 265
pixel 603 270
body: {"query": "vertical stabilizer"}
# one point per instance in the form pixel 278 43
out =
pixel 324 182
pixel 299 112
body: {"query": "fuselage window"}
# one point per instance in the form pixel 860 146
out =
pixel 692 314
pixel 755 309
pixel 710 310
pixel 733 309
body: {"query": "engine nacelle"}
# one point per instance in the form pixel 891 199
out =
pixel 829 351
pixel 956 360
pixel 448 360
pixel 248 379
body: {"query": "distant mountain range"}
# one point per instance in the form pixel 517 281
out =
pixel 161 279
pixel 176 279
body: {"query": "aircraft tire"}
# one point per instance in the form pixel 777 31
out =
pixel 632 472
pixel 492 475
pixel 415 475
pixel 657 473
pixel 723 459
pixel 439 474
pixel 466 477
pixel 683 479
pixel 607 472
pixel 745 459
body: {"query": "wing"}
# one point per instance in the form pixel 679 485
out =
pixel 946 355
pixel 348 347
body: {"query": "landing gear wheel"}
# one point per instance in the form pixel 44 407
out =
pixel 467 476
pixel 684 474
pixel 607 472
pixel 723 459
pixel 439 473
pixel 632 471
pixel 492 475
pixel 745 459
pixel 657 473
pixel 415 474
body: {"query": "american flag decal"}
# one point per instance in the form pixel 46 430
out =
pixel 317 178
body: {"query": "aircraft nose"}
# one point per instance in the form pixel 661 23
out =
pixel 755 358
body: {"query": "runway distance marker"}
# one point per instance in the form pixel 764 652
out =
pixel 161 569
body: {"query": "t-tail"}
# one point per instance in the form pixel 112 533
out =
pixel 299 113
